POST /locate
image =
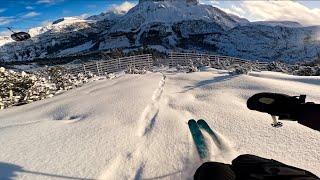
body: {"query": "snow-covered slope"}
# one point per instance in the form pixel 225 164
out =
pixel 76 49
pixel 60 25
pixel 262 42
pixel 111 14
pixel 5 39
pixel 135 127
pixel 166 23
pixel 51 39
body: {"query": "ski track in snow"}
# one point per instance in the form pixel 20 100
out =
pixel 149 115
pixel 220 149
pixel 19 124
pixel 131 164
pixel 128 166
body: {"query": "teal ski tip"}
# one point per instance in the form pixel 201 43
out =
pixel 198 139
pixel 203 125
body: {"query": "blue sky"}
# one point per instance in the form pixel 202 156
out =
pixel 24 14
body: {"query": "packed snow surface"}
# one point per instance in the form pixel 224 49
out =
pixel 135 127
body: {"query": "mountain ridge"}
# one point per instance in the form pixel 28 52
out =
pixel 168 26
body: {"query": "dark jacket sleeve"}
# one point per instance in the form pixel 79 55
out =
pixel 309 115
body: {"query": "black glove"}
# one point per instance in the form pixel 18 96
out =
pixel 287 108
pixel 250 167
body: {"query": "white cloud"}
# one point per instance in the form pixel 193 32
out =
pixel 285 10
pixel 29 7
pixel 211 2
pixel 31 14
pixel 2 10
pixel 230 10
pixel 238 10
pixel 49 2
pixel 5 20
pixel 122 8
pixel 281 11
pixel 233 10
pixel 45 1
pixel 83 16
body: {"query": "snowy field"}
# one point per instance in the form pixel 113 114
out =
pixel 135 127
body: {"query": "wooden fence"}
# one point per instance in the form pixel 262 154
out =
pixel 184 59
pixel 145 62
pixel 114 65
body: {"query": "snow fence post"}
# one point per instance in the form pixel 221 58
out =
pixel 150 60
pixel 84 68
pixel 97 65
pixel 119 64
pixel 170 60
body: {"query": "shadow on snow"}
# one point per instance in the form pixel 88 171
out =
pixel 9 172
pixel 209 82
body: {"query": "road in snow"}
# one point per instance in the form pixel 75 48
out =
pixel 135 127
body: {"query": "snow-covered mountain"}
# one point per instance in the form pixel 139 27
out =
pixel 271 42
pixel 172 12
pixel 71 23
pixel 4 40
pixel 168 25
pixel 50 40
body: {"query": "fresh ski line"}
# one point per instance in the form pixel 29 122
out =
pixel 150 113
pixel 224 151
pixel 198 139
pixel 203 125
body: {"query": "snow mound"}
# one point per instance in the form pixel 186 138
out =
pixel 135 127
